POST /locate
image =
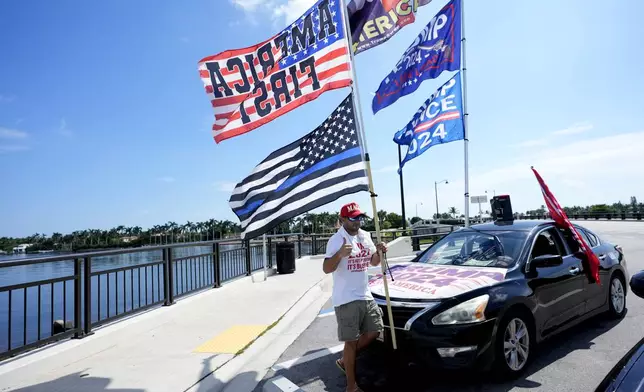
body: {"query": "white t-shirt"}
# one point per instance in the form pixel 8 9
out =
pixel 351 279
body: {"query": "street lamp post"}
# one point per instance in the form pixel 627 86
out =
pixel 436 193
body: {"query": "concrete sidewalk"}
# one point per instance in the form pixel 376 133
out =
pixel 182 347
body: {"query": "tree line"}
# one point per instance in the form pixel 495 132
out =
pixel 616 208
pixel 212 229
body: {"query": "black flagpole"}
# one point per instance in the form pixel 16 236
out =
pixel 402 192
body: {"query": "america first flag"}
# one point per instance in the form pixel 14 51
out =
pixel 253 86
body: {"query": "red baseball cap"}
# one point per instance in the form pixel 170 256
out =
pixel 351 210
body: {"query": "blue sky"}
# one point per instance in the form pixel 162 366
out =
pixel 104 121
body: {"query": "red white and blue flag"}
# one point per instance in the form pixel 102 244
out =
pixel 253 86
pixel 561 219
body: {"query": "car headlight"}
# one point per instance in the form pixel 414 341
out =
pixel 470 311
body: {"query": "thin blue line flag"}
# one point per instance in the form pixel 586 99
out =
pixel 317 169
pixel 436 49
pixel 438 121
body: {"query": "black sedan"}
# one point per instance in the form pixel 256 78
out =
pixel 486 295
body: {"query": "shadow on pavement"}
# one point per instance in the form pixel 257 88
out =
pixel 76 382
pixel 380 371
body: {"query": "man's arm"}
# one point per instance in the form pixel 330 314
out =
pixel 332 261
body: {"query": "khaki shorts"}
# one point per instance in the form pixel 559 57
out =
pixel 357 318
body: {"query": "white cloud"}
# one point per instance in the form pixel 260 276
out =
pixel 292 10
pixel 6 133
pixel 167 179
pixel 386 169
pixel 12 148
pixel 63 128
pixel 7 98
pixel 576 173
pixel 225 186
pixel 247 5
pixel 574 129
pixel 532 143
pixel 282 12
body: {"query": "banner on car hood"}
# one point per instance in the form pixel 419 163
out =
pixel 424 281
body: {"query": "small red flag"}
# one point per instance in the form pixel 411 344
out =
pixel 559 216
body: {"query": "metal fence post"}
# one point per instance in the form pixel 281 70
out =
pixel 216 264
pixel 270 252
pixel 248 266
pixel 314 245
pixel 415 244
pixel 87 274
pixel 299 246
pixel 168 273
pixel 78 327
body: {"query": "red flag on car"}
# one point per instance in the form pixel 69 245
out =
pixel 559 216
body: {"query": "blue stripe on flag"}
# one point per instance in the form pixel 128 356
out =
pixel 320 165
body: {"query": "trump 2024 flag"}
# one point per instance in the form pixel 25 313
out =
pixel 438 121
pixel 253 86
pixel 436 49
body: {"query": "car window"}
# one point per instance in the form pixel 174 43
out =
pixel 585 237
pixel 548 242
pixel 476 248
pixel 573 246
pixel 592 239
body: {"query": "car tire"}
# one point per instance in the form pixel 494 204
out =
pixel 616 297
pixel 513 354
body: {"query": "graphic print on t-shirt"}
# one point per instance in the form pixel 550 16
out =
pixel 359 262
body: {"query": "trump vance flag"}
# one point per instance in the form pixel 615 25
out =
pixel 438 121
pixel 436 49
pixel 253 86
pixel 313 171
pixel 561 219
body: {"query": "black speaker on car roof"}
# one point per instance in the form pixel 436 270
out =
pixel 501 208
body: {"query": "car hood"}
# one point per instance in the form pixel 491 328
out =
pixel 430 282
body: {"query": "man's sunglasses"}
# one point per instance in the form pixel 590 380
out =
pixel 356 219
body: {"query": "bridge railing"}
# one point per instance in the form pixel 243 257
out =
pixel 47 299
pixel 637 216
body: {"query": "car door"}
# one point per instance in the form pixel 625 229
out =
pixel 558 289
pixel 594 294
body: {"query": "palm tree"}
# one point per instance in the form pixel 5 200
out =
pixel 453 211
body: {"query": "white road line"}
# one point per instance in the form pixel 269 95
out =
pixel 327 314
pixel 318 354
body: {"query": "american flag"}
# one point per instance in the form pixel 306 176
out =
pixel 561 219
pixel 313 171
pixel 295 66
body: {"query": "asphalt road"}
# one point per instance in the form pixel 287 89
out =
pixel 576 360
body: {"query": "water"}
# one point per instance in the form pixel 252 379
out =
pixel 124 290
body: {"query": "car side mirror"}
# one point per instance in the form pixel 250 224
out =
pixel 546 261
pixel 637 284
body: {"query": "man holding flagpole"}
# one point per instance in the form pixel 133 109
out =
pixel 350 252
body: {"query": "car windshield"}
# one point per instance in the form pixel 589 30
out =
pixel 476 248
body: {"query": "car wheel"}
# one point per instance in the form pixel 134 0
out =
pixel 515 344
pixel 616 297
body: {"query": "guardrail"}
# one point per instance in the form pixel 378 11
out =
pixel 591 215
pixel 47 299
